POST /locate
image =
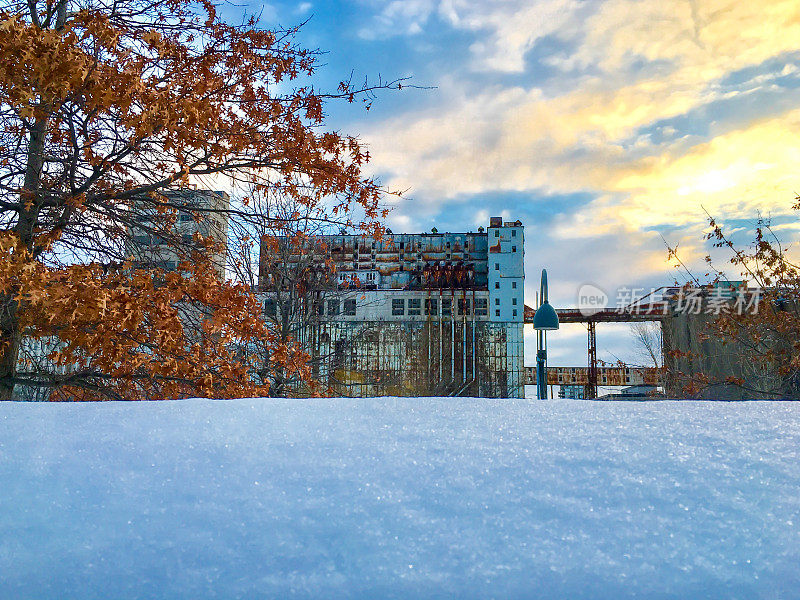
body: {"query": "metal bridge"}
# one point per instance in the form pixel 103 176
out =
pixel 608 376
pixel 593 375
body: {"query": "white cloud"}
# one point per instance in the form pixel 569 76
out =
pixel 398 17
pixel 508 30
pixel 505 31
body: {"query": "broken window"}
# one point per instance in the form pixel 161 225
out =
pixel 431 306
pixel 333 308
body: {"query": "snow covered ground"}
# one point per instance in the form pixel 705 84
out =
pixel 400 498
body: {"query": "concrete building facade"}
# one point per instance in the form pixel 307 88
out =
pixel 198 211
pixel 421 314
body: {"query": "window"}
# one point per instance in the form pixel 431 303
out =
pixel 350 307
pixel 398 306
pixel 514 312
pixel 414 306
pixel 143 240
pixel 514 284
pixel 497 285
pixel 333 308
pixel 514 301
pixel 185 218
pixel 447 307
pixel 497 301
pixel 497 313
pixel 431 306
pixel 513 233
pixel 463 306
pixel 496 266
pixel 481 306
pixel 513 248
pixel 269 308
pixel 496 233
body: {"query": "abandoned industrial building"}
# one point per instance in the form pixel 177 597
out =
pixel 415 314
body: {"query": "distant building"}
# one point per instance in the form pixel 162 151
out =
pixel 421 314
pixel 198 211
pixel 692 350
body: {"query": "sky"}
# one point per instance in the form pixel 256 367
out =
pixel 609 128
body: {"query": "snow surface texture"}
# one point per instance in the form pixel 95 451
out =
pixel 400 498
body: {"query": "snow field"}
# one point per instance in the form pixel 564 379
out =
pixel 400 498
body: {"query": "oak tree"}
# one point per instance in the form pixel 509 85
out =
pixel 106 107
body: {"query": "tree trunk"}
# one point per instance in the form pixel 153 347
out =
pixel 10 334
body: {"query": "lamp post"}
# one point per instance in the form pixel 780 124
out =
pixel 544 319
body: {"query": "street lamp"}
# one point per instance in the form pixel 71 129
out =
pixel 544 319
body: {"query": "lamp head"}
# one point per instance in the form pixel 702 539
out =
pixel 545 318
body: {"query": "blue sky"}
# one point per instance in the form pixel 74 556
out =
pixel 602 125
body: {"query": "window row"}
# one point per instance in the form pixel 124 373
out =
pixel 400 306
pixel 497 285
pixel 348 307
pixel 415 305
pixel 159 240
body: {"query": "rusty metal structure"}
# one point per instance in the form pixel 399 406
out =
pixel 431 314
pixel 606 376
pixel 653 307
